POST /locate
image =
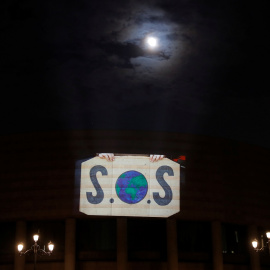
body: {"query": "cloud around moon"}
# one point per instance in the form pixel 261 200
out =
pixel 88 57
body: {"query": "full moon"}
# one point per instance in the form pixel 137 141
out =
pixel 151 42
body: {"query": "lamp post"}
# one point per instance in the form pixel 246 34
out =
pixel 36 250
pixel 263 246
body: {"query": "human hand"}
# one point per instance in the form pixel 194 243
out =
pixel 107 156
pixel 110 157
pixel 154 158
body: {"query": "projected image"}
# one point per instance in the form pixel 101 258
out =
pixel 130 185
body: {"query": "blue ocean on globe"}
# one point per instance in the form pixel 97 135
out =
pixel 131 187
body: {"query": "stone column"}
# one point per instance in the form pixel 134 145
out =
pixel 172 250
pixel 70 244
pixel 254 256
pixel 217 246
pixel 19 261
pixel 122 253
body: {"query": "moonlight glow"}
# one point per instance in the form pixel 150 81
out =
pixel 151 42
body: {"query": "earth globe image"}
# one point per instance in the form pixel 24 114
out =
pixel 131 187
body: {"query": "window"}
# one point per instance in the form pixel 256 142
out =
pixel 235 244
pixel 234 239
pixel 146 239
pixel 96 239
pixel 194 241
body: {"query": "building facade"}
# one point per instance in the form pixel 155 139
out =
pixel 224 202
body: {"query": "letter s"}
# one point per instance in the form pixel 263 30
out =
pixel 93 176
pixel 168 191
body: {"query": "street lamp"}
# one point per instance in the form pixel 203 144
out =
pixel 263 246
pixel 36 250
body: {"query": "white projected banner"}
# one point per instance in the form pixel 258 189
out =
pixel 130 186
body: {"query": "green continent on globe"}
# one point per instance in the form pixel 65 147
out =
pixel 135 184
pixel 131 187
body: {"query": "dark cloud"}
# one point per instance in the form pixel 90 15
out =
pixel 85 64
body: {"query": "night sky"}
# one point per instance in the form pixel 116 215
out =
pixel 85 65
